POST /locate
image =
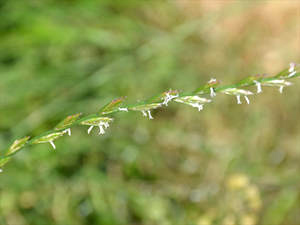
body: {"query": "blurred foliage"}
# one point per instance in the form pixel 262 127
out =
pixel 228 164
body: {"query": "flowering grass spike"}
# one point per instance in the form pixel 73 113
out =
pixel 196 99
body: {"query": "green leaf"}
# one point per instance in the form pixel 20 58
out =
pixel 111 107
pixel 70 120
pixel 17 145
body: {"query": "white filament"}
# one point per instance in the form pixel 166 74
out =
pixel 212 92
pixel 68 131
pixel 169 98
pixel 105 124
pixel 197 105
pixel 52 144
pixel 281 89
pixel 258 85
pixel 247 99
pixel 238 98
pixel 292 74
pixel 149 114
pixel 90 129
pixel 101 130
pixel 144 113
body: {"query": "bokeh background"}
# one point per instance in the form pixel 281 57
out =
pixel 228 164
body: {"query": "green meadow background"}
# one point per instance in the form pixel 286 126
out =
pixel 226 165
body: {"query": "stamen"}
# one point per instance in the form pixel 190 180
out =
pixel 168 98
pixel 281 89
pixel 149 114
pixel 197 105
pixel 53 145
pixel 106 125
pixel 247 99
pixel 258 85
pixel 144 113
pixel 292 67
pixel 292 74
pixel 238 98
pixel 212 92
pixel 101 130
pixel 90 129
pixel 68 131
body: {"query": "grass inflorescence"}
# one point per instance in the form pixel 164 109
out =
pixel 197 99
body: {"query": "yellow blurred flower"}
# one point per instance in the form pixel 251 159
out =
pixel 237 181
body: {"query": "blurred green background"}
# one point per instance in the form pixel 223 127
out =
pixel 229 164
